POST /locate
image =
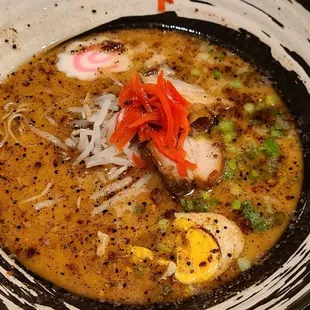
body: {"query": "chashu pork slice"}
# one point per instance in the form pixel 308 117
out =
pixel 195 95
pixel 203 152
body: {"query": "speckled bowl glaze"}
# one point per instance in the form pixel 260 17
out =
pixel 274 35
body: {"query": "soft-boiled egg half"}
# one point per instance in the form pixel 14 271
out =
pixel 211 244
pixel 205 246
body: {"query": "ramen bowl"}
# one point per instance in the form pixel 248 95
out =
pixel 274 36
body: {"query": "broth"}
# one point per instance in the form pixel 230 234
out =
pixel 47 203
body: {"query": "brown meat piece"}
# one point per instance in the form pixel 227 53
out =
pixel 203 152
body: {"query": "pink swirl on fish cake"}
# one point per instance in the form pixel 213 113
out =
pixel 91 57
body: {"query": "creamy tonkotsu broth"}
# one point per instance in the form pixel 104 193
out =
pixel 177 186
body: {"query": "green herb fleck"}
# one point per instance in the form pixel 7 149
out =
pixel 229 169
pixel 251 154
pixel 163 225
pixel 188 205
pixel 232 164
pixel 163 247
pixel 220 56
pixel 195 72
pixel 236 205
pixel 258 222
pixel 217 74
pixel 226 126
pixel 272 100
pixel 259 106
pixel 206 195
pixel 254 174
pixel 237 84
pixel 277 131
pixel 249 108
pixel 202 203
pixel 271 147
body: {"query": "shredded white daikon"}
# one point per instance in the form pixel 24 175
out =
pixel 101 176
pixel 76 109
pixel 51 121
pixel 111 188
pixel 93 141
pixel 43 193
pixel 49 137
pixel 44 204
pixel 103 242
pixel 71 143
pixel 114 173
pixel 92 162
pixel 170 270
pixel 136 188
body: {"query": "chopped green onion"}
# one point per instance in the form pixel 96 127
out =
pixel 220 56
pixel 163 247
pixel 202 203
pixel 272 100
pixel 188 205
pixel 229 169
pixel 226 126
pixel 259 106
pixel 217 74
pixel 258 222
pixel 254 174
pixel 236 84
pixel 212 202
pixel 249 108
pixel 279 129
pixel 271 147
pixel 275 132
pixel 235 189
pixel 195 72
pixel 243 263
pixel 251 154
pixel 228 174
pixel 163 224
pixel 236 205
pixel 232 164
pixel 231 148
pixel 206 195
pixel 228 137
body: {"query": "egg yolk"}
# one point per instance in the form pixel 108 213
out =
pixel 140 253
pixel 198 259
